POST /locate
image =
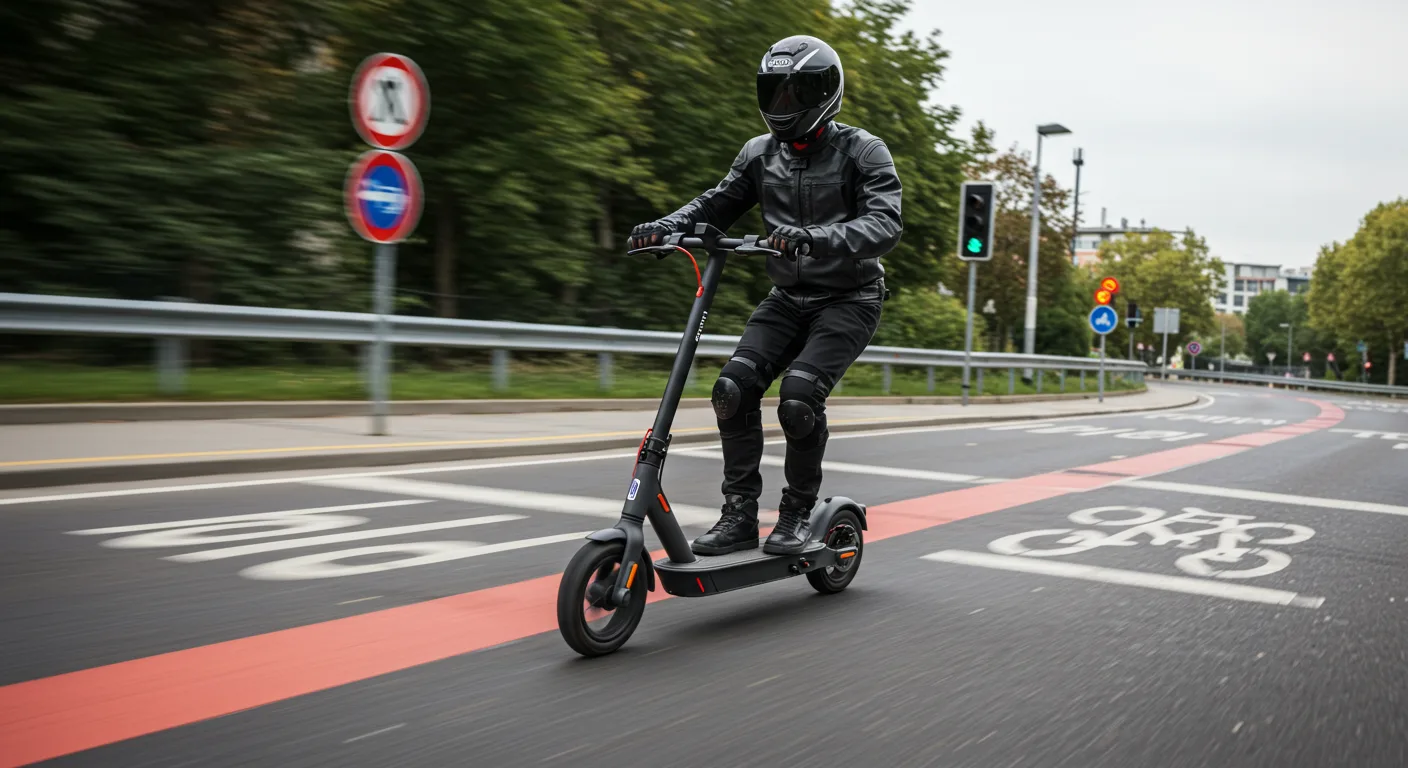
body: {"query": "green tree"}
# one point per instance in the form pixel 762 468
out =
pixel 926 319
pixel 1213 339
pixel 1159 270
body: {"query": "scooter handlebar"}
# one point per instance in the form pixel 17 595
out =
pixel 746 246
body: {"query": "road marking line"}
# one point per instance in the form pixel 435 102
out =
pixel 67 713
pixel 1275 498
pixel 324 564
pixel 242 518
pixel 861 469
pixel 360 600
pixel 1182 584
pixel 482 465
pixel 222 553
pixel 542 502
pixel 374 733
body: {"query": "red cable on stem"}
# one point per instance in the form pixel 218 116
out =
pixel 697 279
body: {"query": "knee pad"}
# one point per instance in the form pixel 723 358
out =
pixel 803 406
pixel 736 393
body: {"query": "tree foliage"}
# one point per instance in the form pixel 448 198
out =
pixel 197 148
pixel 1160 270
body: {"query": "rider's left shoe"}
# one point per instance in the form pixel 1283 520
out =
pixel 793 527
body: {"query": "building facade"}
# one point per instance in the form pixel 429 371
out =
pixel 1240 282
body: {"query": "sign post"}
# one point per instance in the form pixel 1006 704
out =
pixel 974 245
pixel 390 105
pixel 1103 319
pixel 1165 322
pixel 1194 349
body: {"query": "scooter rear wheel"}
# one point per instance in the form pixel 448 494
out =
pixel 845 532
pixel 588 622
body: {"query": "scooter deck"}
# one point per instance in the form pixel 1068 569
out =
pixel 712 574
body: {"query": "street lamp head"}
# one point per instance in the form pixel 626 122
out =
pixel 1079 157
pixel 1051 129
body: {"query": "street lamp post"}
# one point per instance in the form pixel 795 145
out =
pixel 1078 160
pixel 1029 338
pixel 1290 333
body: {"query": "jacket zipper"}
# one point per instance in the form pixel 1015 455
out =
pixel 801 216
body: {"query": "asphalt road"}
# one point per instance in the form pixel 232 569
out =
pixel 1024 600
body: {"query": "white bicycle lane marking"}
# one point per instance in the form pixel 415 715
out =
pixel 1225 547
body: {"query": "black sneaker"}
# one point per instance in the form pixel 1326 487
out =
pixel 790 535
pixel 736 530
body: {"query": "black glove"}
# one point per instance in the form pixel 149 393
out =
pixel 648 234
pixel 792 241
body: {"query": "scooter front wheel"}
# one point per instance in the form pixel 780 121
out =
pixel 588 620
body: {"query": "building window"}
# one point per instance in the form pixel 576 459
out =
pixel 1222 299
pixel 1241 285
pixel 1237 300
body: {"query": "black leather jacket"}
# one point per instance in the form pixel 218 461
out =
pixel 845 193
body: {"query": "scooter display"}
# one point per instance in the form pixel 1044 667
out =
pixel 603 592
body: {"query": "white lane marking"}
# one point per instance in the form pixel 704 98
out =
pixel 1204 418
pixel 223 553
pixel 866 469
pixel 1020 426
pixel 324 565
pixel 360 600
pixel 542 502
pixel 1274 498
pixel 243 518
pixel 1184 584
pixel 1367 433
pixel 562 458
pixel 1401 446
pixel 375 733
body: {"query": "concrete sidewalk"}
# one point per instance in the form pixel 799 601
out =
pixel 67 454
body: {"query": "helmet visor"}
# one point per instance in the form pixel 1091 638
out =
pixel 787 93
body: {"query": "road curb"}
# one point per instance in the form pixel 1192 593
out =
pixel 131 472
pixel 87 413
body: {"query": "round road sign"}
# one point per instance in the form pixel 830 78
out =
pixel 383 196
pixel 1110 284
pixel 390 101
pixel 1194 348
pixel 1103 319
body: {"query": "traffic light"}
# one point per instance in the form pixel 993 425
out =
pixel 975 221
pixel 1132 316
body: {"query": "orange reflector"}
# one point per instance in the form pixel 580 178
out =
pixel 700 583
pixel 632 578
pixel 664 504
pixel 845 555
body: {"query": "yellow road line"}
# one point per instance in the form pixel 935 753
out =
pixel 368 446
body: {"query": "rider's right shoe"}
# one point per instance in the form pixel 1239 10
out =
pixel 736 530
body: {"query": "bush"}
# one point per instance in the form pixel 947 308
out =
pixel 923 319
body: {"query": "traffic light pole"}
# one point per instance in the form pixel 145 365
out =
pixel 968 328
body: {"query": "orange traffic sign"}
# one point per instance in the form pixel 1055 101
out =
pixel 1110 284
pixel 1103 296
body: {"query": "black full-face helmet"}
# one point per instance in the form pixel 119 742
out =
pixel 800 83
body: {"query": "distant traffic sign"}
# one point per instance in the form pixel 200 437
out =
pixel 1103 319
pixel 1110 284
pixel 1362 347
pixel 390 101
pixel 383 196
pixel 1194 348
pixel 1103 296
pixel 1166 319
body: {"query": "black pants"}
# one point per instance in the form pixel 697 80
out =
pixel 810 341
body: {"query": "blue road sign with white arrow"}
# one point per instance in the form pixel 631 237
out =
pixel 1103 319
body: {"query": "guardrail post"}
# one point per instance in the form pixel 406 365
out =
pixel 500 370
pixel 693 377
pixel 1039 377
pixel 172 352
pixel 980 381
pixel 885 378
pixel 1011 381
pixel 929 379
pixel 603 361
pixel 1082 381
pixel 1063 379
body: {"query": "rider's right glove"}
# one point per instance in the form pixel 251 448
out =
pixel 648 234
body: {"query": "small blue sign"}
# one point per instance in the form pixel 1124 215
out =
pixel 1362 347
pixel 635 488
pixel 1103 319
pixel 384 196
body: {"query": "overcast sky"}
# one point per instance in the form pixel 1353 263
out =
pixel 1268 127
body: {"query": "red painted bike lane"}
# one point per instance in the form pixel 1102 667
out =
pixel 68 713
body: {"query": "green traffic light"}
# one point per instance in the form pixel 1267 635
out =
pixel 975 245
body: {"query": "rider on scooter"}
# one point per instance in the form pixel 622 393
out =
pixel 830 200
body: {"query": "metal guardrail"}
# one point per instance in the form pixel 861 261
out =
pixel 1289 381
pixel 173 323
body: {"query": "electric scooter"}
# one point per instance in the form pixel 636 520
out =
pixel 602 595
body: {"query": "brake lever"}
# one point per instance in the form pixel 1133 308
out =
pixel 756 250
pixel 660 251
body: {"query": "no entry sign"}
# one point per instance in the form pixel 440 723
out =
pixel 383 196
pixel 390 101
